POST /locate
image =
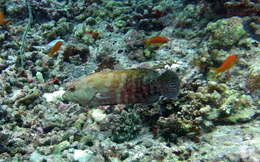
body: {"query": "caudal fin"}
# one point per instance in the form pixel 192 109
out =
pixel 216 72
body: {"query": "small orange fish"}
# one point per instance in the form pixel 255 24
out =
pixel 156 40
pixel 2 19
pixel 55 47
pixel 227 64
pixel 93 34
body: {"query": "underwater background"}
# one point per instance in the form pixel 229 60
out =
pixel 193 93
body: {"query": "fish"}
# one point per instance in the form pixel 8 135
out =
pixel 93 34
pixel 3 21
pixel 54 46
pixel 156 40
pixel 227 64
pixel 128 86
pixel 157 14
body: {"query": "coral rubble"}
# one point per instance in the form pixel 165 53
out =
pixel 214 118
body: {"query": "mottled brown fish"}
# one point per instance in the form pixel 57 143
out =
pixel 3 21
pixel 122 87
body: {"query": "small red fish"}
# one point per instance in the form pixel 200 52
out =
pixel 93 34
pixel 55 48
pixel 55 80
pixel 227 64
pixel 2 19
pixel 156 40
pixel 157 14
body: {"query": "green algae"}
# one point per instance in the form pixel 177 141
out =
pixel 31 96
pixel 120 23
pixel 58 148
pixel 80 121
pixel 241 116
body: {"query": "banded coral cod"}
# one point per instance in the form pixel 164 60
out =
pixel 122 87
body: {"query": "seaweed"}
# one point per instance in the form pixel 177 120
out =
pixel 20 58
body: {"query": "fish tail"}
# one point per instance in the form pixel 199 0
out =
pixel 1 15
pixel 146 43
pixel 212 68
pixel 216 72
pixel 170 84
pixel 5 22
pixel 50 53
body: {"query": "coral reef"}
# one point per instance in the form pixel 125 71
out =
pixel 242 8
pixel 124 126
pixel 254 77
pixel 214 118
pixel 225 32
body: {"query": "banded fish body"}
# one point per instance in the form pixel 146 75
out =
pixel 122 87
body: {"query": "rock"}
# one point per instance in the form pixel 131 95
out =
pixel 225 33
pixel 39 77
pixel 53 97
pixel 16 95
pixel 242 116
pixel 82 156
pixel 36 157
pixel 60 147
pixel 30 97
pixel 98 115
pixel 120 23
